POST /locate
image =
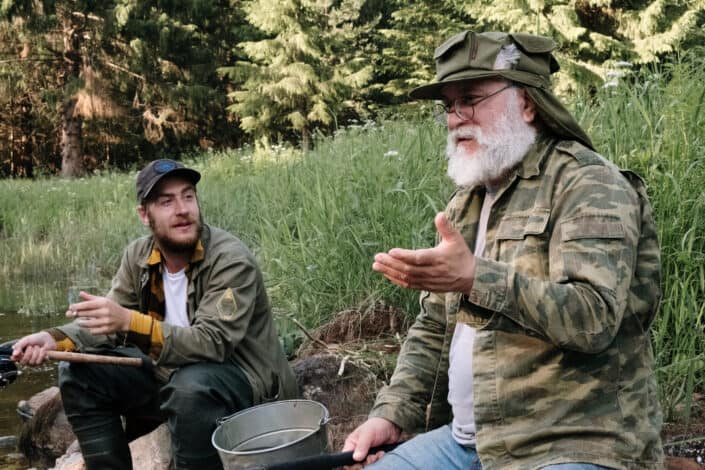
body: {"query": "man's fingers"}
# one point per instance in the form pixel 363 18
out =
pixel 424 263
pixel 87 305
pixel 421 284
pixel 32 356
pixel 17 349
pixel 445 228
pixel 372 458
pixel 349 445
pixel 362 446
pixel 422 257
pixel 86 295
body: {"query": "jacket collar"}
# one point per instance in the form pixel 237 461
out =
pixel 530 165
pixel 533 161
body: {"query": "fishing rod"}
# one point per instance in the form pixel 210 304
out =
pixel 9 372
pixel 323 461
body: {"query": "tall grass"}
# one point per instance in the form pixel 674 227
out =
pixel 655 125
pixel 315 220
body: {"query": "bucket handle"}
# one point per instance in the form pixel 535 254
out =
pixel 325 419
pixel 219 421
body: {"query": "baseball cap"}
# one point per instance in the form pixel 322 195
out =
pixel 150 175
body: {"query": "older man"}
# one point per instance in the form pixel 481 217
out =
pixel 532 347
pixel 190 297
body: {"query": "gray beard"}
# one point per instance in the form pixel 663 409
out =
pixel 501 148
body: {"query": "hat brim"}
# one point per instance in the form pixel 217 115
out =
pixel 434 91
pixel 187 173
pixel 552 112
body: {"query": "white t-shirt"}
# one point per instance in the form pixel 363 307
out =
pixel 175 288
pixel 460 378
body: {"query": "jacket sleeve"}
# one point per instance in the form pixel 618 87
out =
pixel 406 399
pixel 592 245
pixel 71 337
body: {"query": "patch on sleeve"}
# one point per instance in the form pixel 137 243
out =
pixel 227 306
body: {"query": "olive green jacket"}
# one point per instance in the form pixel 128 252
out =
pixel 562 301
pixel 228 309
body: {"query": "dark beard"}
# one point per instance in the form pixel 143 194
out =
pixel 168 245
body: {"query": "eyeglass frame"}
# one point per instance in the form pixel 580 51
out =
pixel 446 108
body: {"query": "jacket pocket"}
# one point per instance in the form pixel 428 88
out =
pixel 522 240
pixel 591 250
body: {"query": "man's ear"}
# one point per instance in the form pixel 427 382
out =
pixel 528 107
pixel 142 212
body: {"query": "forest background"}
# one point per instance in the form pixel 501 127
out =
pixel 282 104
pixel 93 84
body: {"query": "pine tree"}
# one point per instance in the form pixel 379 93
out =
pixel 596 36
pixel 170 52
pixel 59 33
pixel 303 74
pixel 413 31
pixel 137 77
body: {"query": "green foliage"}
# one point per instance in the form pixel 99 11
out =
pixel 303 74
pixel 654 123
pixel 142 75
pixel 168 55
pixel 407 43
pixel 155 78
pixel 595 35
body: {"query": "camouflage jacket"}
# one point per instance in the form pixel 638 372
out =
pixel 562 302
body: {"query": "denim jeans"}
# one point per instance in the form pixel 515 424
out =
pixel 430 450
pixel 438 450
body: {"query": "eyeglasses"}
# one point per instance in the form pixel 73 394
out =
pixel 464 107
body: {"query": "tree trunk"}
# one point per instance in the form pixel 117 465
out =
pixel 305 139
pixel 28 128
pixel 71 141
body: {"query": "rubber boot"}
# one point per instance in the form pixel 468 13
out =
pixel 103 442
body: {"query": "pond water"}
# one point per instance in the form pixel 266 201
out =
pixel 25 309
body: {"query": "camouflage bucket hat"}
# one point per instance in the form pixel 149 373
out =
pixel 471 56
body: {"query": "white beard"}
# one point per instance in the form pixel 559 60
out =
pixel 500 148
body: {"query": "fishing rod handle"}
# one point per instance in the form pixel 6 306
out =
pixel 324 461
pixel 94 358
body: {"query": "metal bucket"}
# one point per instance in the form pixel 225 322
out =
pixel 271 433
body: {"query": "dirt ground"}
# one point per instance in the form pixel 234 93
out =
pixel 360 349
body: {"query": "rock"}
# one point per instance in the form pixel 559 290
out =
pixel 149 452
pixel 152 451
pixel 7 442
pixel 348 395
pixel 72 459
pixel 47 433
pixel 682 463
pixel 29 407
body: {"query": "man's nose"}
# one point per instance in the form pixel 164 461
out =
pixel 454 121
pixel 181 206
